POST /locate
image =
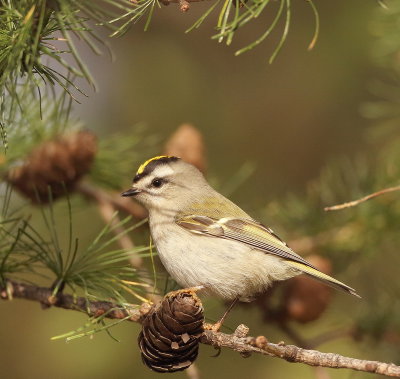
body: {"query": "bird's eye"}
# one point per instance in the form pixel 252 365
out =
pixel 157 182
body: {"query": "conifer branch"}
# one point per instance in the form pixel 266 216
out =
pixel 44 296
pixel 238 341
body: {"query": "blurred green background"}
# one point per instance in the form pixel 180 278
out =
pixel 288 119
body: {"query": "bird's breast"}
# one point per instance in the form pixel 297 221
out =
pixel 225 268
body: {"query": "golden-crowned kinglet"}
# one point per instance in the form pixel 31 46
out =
pixel 204 239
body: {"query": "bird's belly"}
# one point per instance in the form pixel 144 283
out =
pixel 227 269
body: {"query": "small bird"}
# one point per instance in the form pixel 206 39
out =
pixel 203 239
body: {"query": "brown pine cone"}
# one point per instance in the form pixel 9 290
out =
pixel 305 298
pixel 56 166
pixel 187 143
pixel 169 340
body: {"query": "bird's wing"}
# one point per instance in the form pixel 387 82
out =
pixel 247 231
pixel 257 236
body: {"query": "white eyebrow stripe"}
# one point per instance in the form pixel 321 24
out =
pixel 162 171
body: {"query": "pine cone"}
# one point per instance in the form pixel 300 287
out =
pixel 169 340
pixel 305 298
pixel 187 143
pixel 55 165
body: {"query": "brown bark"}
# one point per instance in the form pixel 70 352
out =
pixel 238 341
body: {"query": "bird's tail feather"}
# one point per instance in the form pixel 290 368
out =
pixel 318 275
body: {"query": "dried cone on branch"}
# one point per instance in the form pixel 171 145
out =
pixel 187 143
pixel 305 298
pixel 169 340
pixel 55 166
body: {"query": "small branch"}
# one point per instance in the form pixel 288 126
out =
pixel 107 212
pixel 238 341
pixel 107 205
pixel 45 297
pixel 291 353
pixel 362 200
pixel 120 203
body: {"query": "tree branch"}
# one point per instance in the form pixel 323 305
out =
pixel 238 341
pixel 120 203
pixel 291 353
pixel 107 205
pixel 107 212
pixel 45 297
pixel 362 200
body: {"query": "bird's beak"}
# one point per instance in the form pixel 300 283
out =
pixel 131 192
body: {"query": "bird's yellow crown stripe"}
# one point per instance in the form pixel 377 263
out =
pixel 143 166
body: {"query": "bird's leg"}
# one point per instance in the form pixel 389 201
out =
pixel 217 326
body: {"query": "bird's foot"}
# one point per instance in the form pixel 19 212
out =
pixel 217 326
pixel 213 327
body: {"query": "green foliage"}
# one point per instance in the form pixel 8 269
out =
pixel 92 326
pixel 30 36
pixel 120 154
pixel 361 242
pixel 99 270
pixel 384 108
pixel 233 15
pixel 35 35
pixel 231 18
pixel 34 121
pixel 14 258
pixel 140 9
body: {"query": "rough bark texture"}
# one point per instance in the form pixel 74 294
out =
pixel 291 353
pixel 44 296
pixel 238 341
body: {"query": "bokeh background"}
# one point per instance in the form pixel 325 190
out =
pixel 287 120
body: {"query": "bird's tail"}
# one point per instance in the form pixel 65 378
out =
pixel 318 275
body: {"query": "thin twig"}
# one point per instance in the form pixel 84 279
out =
pixel 107 212
pixel 237 341
pixel 120 203
pixel 291 353
pixel 363 199
pixel 45 296
pixel 107 205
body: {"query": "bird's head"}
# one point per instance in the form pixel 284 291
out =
pixel 166 183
